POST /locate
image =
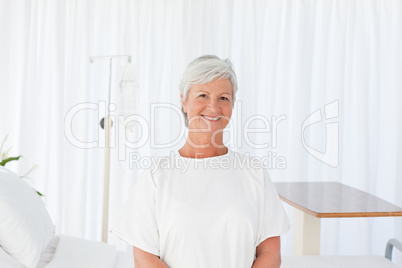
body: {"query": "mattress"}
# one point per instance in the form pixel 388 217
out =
pixel 67 251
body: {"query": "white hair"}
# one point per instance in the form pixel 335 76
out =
pixel 204 70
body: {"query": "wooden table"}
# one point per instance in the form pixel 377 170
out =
pixel 316 200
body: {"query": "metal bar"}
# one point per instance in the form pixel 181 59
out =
pixel 106 57
pixel 107 127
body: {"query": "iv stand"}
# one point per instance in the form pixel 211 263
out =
pixel 107 124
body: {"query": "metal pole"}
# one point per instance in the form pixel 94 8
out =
pixel 107 124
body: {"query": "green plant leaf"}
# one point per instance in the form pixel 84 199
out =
pixel 39 193
pixel 5 161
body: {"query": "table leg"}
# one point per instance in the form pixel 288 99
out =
pixel 306 234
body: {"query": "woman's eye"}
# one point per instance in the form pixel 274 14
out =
pixel 224 98
pixel 203 95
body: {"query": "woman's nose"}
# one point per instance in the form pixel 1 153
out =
pixel 214 105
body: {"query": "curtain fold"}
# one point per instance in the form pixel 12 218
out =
pixel 291 57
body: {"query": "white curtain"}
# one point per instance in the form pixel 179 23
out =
pixel 291 57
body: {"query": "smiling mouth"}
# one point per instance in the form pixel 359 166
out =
pixel 211 118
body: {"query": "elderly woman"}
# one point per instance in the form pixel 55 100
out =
pixel 219 211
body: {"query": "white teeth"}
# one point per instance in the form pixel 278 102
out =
pixel 211 118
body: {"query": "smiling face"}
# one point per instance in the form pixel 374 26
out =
pixel 209 106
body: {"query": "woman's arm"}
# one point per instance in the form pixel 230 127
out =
pixel 143 259
pixel 268 253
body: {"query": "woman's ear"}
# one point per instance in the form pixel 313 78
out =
pixel 183 103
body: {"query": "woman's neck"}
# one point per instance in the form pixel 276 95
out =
pixel 191 150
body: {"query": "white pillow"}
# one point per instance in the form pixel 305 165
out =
pixel 25 225
pixel 7 262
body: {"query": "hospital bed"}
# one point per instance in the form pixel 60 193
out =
pixel 27 236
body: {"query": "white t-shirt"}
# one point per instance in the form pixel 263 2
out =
pixel 207 213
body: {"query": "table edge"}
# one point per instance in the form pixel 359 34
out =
pixel 342 214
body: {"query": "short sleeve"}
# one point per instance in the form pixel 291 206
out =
pixel 136 222
pixel 275 222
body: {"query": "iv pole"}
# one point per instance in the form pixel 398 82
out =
pixel 107 124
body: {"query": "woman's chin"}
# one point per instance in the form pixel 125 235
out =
pixel 206 128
